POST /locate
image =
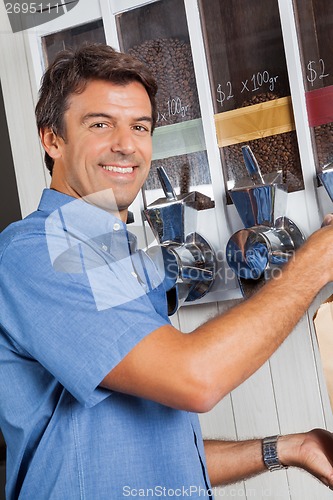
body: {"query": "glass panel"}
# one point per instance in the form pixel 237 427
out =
pixel 315 32
pixel 10 210
pixel 71 38
pixel 250 87
pixel 157 34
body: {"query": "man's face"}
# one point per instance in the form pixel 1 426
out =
pixel 107 144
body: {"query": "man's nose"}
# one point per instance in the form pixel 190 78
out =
pixel 123 141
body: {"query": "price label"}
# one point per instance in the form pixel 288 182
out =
pixel 315 71
pixel 257 82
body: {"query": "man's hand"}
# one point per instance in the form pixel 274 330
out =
pixel 328 220
pixel 311 451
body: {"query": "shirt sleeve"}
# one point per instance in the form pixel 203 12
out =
pixel 79 321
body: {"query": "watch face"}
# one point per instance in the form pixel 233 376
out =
pixel 270 456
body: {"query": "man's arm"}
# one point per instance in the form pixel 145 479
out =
pixel 229 462
pixel 195 371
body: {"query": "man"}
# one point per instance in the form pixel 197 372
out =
pixel 98 391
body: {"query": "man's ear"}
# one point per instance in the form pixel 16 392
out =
pixel 50 142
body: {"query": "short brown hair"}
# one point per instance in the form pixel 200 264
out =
pixel 73 69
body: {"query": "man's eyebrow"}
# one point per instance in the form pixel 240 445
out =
pixel 144 119
pixel 89 116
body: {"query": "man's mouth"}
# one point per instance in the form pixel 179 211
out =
pixel 119 170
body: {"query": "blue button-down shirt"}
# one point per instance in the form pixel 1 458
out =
pixel 75 299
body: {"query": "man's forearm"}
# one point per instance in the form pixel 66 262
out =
pixel 231 461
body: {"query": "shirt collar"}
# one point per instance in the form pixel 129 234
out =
pixel 87 218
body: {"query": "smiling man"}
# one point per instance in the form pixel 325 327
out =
pixel 99 392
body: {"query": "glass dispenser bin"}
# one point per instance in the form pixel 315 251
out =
pixel 250 88
pixel 314 20
pixel 71 37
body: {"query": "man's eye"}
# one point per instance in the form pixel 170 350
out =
pixel 140 128
pixel 99 125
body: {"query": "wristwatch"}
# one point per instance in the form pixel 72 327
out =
pixel 270 455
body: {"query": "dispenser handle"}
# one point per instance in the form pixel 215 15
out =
pixel 252 166
pixel 326 177
pixel 166 184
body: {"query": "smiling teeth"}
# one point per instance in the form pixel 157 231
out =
pixel 120 170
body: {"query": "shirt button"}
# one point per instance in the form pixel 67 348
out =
pixel 104 247
pixel 116 226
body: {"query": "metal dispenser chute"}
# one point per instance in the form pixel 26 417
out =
pixel 269 238
pixel 183 256
pixel 326 177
